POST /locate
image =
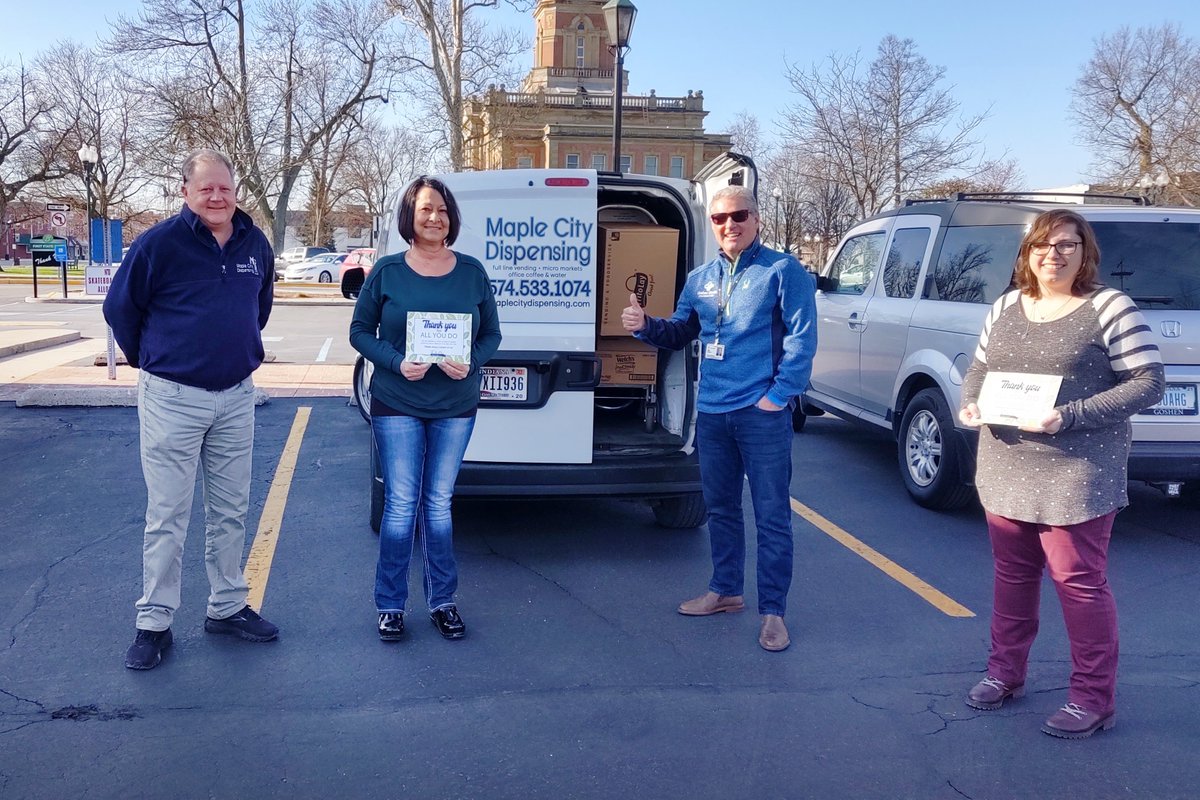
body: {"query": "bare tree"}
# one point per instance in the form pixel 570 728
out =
pixel 382 161
pixel 747 137
pixel 995 176
pixel 1137 102
pixel 457 56
pixel 265 81
pixel 882 132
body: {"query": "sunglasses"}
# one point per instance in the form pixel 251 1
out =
pixel 741 215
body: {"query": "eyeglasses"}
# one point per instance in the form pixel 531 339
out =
pixel 741 215
pixel 1063 248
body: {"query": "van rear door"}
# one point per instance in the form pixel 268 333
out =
pixel 727 169
pixel 535 233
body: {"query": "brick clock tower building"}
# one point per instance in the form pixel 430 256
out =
pixel 563 115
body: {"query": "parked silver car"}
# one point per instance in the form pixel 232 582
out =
pixel 902 301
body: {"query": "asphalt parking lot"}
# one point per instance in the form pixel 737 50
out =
pixel 577 679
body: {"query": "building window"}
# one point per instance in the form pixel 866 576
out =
pixel 626 163
pixel 651 163
pixel 524 162
pixel 599 162
pixel 572 160
pixel 676 166
pixel 579 51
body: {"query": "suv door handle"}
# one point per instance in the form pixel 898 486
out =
pixel 854 323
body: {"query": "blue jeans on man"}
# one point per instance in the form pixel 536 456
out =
pixel 753 445
pixel 420 459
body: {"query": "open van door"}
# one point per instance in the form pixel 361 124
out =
pixel 727 169
pixel 535 233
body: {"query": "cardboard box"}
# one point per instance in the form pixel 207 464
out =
pixel 625 361
pixel 638 259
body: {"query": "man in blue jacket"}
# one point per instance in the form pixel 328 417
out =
pixel 752 309
pixel 187 307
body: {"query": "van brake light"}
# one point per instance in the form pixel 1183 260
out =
pixel 567 182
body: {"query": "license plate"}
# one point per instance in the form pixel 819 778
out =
pixel 509 384
pixel 1179 400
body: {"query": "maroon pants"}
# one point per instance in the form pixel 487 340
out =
pixel 1077 559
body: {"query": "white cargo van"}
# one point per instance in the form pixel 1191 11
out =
pixel 546 425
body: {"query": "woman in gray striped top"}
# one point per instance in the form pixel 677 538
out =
pixel 1052 487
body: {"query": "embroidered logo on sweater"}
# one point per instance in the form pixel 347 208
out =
pixel 252 267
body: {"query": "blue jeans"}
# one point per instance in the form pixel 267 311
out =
pixel 756 445
pixel 420 460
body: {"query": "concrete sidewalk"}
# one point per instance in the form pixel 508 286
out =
pixel 33 373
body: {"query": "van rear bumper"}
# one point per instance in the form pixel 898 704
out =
pixel 646 476
pixel 1164 461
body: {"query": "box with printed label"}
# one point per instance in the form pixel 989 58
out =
pixel 636 259
pixel 625 361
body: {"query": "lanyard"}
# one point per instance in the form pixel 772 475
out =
pixel 725 299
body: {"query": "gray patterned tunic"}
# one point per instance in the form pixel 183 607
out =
pixel 1111 370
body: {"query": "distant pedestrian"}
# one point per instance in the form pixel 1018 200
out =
pixel 422 414
pixel 753 310
pixel 1052 487
pixel 187 308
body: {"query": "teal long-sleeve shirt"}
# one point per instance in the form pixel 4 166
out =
pixel 378 330
pixel 769 329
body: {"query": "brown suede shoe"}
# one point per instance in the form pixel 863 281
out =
pixel 773 635
pixel 990 693
pixel 1076 722
pixel 711 603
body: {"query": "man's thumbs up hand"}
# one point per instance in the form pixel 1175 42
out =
pixel 633 318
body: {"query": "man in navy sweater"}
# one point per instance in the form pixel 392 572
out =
pixel 187 307
pixel 752 309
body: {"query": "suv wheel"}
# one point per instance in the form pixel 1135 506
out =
pixel 684 511
pixel 376 488
pixel 928 451
pixel 362 386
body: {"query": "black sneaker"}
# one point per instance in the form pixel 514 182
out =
pixel 147 649
pixel 246 624
pixel 391 627
pixel 449 623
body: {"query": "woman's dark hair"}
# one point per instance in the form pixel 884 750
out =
pixel 406 217
pixel 1088 276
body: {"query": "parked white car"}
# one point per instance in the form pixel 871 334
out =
pixel 321 268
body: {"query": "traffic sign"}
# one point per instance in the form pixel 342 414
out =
pixel 60 252
pixel 58 218
pixel 58 206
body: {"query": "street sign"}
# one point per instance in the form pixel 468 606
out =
pixel 97 277
pixel 60 252
pixel 58 206
pixel 58 218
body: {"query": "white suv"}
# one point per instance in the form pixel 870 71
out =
pixel 902 301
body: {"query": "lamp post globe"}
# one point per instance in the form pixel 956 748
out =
pixel 618 17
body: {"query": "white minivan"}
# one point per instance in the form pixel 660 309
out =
pixel 546 427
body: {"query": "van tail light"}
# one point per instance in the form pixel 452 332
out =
pixel 567 182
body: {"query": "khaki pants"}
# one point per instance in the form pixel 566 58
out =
pixel 183 428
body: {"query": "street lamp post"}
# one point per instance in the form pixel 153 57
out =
pixel 1153 187
pixel 618 16
pixel 777 193
pixel 89 157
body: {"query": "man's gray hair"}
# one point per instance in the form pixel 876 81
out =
pixel 205 154
pixel 739 192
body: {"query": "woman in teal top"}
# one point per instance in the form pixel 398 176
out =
pixel 422 413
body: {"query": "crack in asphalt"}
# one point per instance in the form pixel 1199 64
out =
pixel 958 791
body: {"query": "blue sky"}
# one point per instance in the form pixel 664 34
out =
pixel 1020 57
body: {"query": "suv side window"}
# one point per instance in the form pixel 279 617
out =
pixel 976 264
pixel 854 267
pixel 903 263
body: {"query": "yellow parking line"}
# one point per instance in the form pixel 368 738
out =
pixel 262 552
pixel 902 576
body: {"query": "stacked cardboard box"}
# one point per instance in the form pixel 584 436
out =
pixel 624 361
pixel 636 259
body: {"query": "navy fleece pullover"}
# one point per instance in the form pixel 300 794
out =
pixel 187 310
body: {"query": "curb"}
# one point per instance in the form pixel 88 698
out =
pixel 95 397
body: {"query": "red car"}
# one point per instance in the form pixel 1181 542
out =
pixel 354 270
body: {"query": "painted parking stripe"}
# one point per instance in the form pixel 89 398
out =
pixel 321 356
pixel 893 570
pixel 262 552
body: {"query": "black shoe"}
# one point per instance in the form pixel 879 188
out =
pixel 246 624
pixel 449 623
pixel 147 649
pixel 391 627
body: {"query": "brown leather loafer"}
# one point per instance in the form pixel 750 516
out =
pixel 773 635
pixel 711 603
pixel 990 693
pixel 1076 722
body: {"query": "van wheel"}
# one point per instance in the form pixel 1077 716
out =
pixel 684 511
pixel 362 387
pixel 1189 494
pixel 376 489
pixel 929 458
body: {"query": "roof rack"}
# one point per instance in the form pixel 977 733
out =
pixel 1016 197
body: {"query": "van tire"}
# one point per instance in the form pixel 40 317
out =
pixel 376 489
pixel 361 387
pixel 683 511
pixel 928 453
